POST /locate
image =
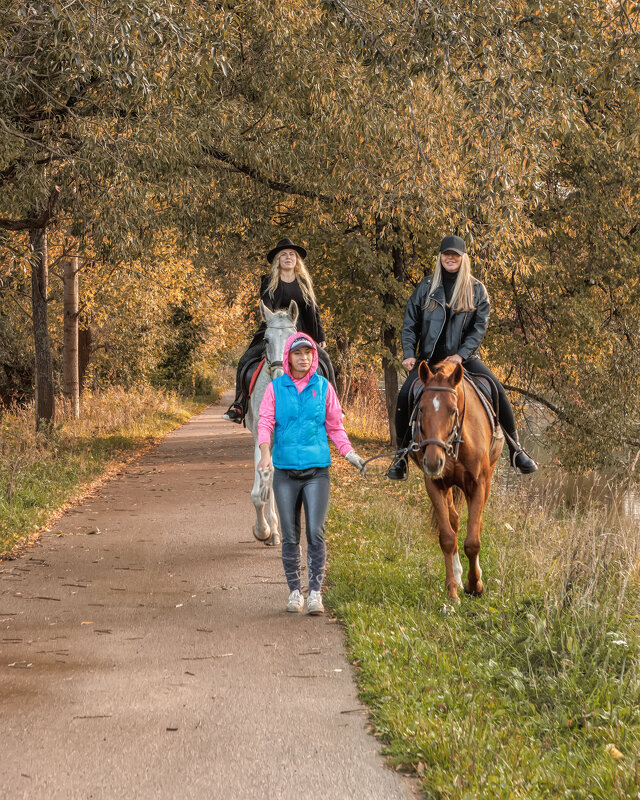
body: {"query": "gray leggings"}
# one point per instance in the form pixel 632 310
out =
pixel 291 495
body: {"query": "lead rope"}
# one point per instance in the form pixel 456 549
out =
pixel 400 454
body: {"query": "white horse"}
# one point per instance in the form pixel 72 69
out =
pixel 280 325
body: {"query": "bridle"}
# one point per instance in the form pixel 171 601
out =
pixel 271 365
pixel 451 445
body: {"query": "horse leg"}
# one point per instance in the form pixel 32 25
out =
pixel 273 521
pixel 454 519
pixel 475 503
pixel 447 536
pixel 260 495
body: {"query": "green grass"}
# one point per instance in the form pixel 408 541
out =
pixel 41 473
pixel 522 693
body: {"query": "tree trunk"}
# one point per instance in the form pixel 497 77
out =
pixel 345 367
pixel 45 402
pixel 84 353
pixel 391 382
pixel 71 383
pixel 390 340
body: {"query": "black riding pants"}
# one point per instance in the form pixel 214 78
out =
pixel 474 366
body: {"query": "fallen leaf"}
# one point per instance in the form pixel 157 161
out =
pixel 613 751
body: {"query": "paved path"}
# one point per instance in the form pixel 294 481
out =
pixel 153 658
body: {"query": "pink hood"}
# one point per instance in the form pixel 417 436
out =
pixel 285 355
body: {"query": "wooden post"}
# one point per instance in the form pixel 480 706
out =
pixel 71 383
pixel 45 401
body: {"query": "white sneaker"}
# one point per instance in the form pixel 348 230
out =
pixel 314 603
pixel 296 602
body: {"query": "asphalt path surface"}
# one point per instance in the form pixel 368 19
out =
pixel 145 651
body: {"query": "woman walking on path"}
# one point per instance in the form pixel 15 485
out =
pixel 288 280
pixel 300 409
pixel 445 320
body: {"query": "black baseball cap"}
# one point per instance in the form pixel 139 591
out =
pixel 301 341
pixel 455 243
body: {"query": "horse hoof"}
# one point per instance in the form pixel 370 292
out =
pixel 477 591
pixel 267 535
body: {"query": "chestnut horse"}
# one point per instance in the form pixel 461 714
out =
pixel 455 446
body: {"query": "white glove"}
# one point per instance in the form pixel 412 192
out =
pixel 353 458
pixel 265 484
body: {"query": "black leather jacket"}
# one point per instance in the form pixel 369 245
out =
pixel 421 328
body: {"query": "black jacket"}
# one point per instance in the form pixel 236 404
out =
pixel 421 328
pixel 308 316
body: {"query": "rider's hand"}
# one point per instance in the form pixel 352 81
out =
pixel 353 458
pixel 409 363
pixel 322 344
pixel 265 462
pixel 455 358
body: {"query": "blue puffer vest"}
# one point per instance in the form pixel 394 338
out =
pixel 300 437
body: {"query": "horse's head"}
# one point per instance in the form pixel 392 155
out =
pixel 280 325
pixel 439 414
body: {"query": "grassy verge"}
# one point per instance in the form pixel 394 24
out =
pixel 533 690
pixel 39 474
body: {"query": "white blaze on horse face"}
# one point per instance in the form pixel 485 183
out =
pixel 457 568
pixel 436 403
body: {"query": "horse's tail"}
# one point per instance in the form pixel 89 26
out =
pixel 458 501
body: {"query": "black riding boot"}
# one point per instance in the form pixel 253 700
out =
pixel 236 411
pixel 398 469
pixel 400 464
pixel 518 457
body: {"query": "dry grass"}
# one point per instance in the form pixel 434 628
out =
pixel 366 415
pixel 39 472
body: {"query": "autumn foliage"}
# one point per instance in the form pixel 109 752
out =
pixel 185 139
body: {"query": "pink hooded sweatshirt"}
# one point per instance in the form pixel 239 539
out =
pixel 333 422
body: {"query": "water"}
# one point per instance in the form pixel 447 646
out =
pixel 582 492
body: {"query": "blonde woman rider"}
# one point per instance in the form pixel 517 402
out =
pixel 288 280
pixel 445 320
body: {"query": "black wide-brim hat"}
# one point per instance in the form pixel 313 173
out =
pixel 286 244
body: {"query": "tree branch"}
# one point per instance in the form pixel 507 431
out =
pixel 538 399
pixel 33 223
pixel 278 186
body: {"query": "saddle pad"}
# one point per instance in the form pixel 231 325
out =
pixel 254 377
pixel 482 383
pixel 488 395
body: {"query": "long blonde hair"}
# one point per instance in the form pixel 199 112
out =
pixel 302 274
pixel 462 297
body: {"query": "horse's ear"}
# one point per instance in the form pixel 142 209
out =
pixel 456 375
pixel 424 372
pixel 265 312
pixel 293 311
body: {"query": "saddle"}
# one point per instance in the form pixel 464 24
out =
pixel 484 387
